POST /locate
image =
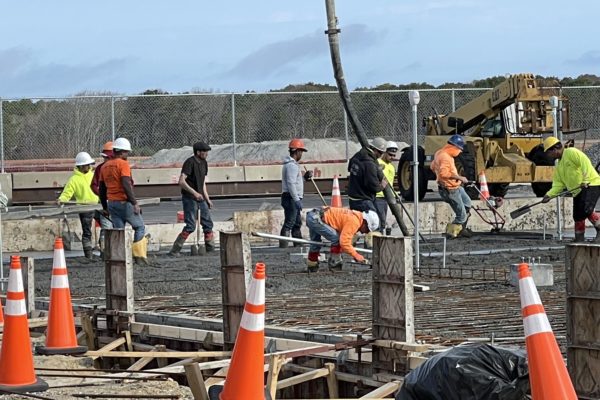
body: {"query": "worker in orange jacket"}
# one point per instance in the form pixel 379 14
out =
pixel 450 185
pixel 338 225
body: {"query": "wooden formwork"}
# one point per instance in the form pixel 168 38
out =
pixel 583 318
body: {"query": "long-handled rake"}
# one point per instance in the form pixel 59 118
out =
pixel 526 208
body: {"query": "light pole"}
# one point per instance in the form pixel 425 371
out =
pixel 414 98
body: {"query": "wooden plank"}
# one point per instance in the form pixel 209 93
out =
pixel 393 301
pixel 66 210
pixel 216 380
pixel 161 361
pixel 236 271
pixel 118 270
pixel 30 263
pixel 332 382
pixel 342 376
pixel 141 363
pixel 275 362
pixel 107 349
pixel 90 335
pixel 383 391
pixel 157 353
pixel 583 317
pixel 33 323
pixel 196 381
pixel 305 377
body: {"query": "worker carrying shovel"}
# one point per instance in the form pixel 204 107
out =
pixel 574 172
pixel 338 225
pixel 450 186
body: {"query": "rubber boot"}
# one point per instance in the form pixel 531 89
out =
pixel 334 262
pixel 139 250
pixel 283 244
pixel 297 235
pixel 579 237
pixel 88 253
pixel 209 241
pixel 453 230
pixel 597 226
pixel 313 261
pixel 178 244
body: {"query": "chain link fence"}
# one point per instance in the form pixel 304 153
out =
pixel 38 129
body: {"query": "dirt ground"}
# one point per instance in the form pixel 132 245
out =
pixel 477 302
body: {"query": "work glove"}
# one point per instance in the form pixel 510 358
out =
pixel 298 204
pixel 360 259
pixel 308 175
pixel 584 185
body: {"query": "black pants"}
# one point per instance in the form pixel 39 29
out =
pixel 585 202
pixel 86 219
pixel 292 219
pixel 362 205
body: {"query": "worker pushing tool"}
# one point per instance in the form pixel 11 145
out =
pixel 574 172
pixel 450 186
pixel 338 225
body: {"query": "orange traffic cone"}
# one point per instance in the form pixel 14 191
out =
pixel 16 361
pixel 548 374
pixel 483 187
pixel 336 196
pixel 60 335
pixel 245 379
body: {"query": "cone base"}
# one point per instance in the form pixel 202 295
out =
pixel 49 351
pixel 40 385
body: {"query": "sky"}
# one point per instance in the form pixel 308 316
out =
pixel 66 47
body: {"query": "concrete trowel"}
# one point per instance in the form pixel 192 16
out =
pixel 197 249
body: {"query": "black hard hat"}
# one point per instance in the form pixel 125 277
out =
pixel 201 146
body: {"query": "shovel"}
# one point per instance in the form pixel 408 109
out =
pixel 195 250
pixel 525 209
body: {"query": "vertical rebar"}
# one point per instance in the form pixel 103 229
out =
pixel 555 103
pixel 233 137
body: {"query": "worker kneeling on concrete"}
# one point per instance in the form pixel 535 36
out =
pixel 338 225
pixel 574 172
pixel 450 185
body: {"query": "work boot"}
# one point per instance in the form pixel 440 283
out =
pixel 284 244
pixel 177 245
pixel 453 230
pixel 139 251
pixel 313 261
pixel 88 253
pixel 580 237
pixel 209 241
pixel 296 234
pixel 334 262
pixel 465 232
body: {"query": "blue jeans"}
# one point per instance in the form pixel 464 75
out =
pixel 190 206
pixel 292 219
pixel 382 207
pixel 459 201
pixel 318 228
pixel 122 212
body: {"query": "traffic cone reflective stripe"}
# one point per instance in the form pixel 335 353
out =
pixel 60 335
pixel 245 378
pixel 483 187
pixel 336 196
pixel 548 374
pixel 16 361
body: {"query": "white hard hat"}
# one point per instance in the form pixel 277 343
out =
pixel 379 144
pixel 121 144
pixel 83 158
pixel 372 220
pixel 391 145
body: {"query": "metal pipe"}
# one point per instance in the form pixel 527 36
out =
pixel 554 104
pixel 492 251
pixel 112 116
pixel 414 99
pixel 303 241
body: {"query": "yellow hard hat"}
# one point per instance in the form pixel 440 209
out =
pixel 549 142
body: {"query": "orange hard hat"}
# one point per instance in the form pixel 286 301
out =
pixel 107 146
pixel 297 144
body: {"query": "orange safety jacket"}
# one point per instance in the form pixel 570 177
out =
pixel 346 222
pixel 444 167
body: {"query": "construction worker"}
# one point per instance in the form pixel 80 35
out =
pixel 365 177
pixel 119 201
pixel 389 172
pixel 107 153
pixel 292 191
pixel 78 187
pixel 194 197
pixel 574 172
pixel 338 225
pixel 450 186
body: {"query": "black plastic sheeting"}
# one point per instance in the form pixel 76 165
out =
pixel 469 372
